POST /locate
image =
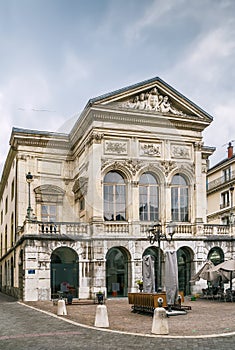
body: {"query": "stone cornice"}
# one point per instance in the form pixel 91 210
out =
pixel 32 138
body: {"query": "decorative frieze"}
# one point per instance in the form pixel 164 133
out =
pixel 180 151
pixel 150 149
pixel 115 147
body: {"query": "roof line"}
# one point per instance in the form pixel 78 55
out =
pixel 148 81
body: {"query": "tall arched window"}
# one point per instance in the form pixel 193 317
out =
pixel 179 199
pixel 114 197
pixel 148 198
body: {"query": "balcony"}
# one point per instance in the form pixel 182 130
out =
pixel 225 205
pixel 71 231
pixel 220 181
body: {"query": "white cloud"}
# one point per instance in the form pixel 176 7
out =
pixel 153 13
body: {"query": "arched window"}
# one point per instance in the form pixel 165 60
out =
pixel 114 197
pixel 179 199
pixel 216 255
pixel 148 198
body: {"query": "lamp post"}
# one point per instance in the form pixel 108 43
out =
pixel 155 234
pixel 29 179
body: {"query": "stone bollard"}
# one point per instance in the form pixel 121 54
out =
pixel 160 322
pixel 101 317
pixel 61 308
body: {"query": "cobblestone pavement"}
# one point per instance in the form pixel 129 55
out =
pixel 207 317
pixel 24 328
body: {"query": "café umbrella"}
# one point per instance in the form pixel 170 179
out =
pixel 206 273
pixel 226 270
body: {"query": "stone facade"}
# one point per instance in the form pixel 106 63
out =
pixel 69 240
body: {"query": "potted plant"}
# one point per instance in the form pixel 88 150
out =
pixel 140 285
pixel 100 297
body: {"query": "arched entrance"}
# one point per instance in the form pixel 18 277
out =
pixel 153 251
pixel 216 255
pixel 64 271
pixel 117 272
pixel 184 269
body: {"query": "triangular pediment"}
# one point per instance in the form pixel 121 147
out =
pixel 152 96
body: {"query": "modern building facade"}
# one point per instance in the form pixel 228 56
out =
pixel 76 207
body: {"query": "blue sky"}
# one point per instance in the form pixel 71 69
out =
pixel 57 54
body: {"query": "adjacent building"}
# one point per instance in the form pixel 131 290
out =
pixel 76 207
pixel 220 205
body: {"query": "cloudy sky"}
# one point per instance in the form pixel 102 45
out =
pixel 57 54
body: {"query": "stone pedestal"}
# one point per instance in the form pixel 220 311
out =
pixel 160 322
pixel 101 317
pixel 61 308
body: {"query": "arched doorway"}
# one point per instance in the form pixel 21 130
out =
pixel 117 272
pixel 64 271
pixel 216 255
pixel 184 270
pixel 153 251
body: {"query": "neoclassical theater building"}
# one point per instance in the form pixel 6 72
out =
pixel 76 207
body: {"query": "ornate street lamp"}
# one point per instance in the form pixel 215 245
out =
pixel 155 234
pixel 29 179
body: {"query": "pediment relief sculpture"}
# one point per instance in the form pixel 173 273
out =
pixel 153 101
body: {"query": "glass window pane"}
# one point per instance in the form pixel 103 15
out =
pixel 148 198
pixel 114 197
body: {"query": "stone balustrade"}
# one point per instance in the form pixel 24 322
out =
pixel 114 229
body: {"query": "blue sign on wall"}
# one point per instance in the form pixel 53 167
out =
pixel 31 272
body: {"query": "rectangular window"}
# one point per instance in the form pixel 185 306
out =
pixel 224 200
pixel 6 205
pixel 12 189
pixel 48 213
pixel 82 203
pixel 227 174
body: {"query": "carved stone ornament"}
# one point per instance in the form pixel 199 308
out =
pixel 167 166
pixel 180 152
pixel 95 137
pixel 152 100
pixel 150 149
pixel 198 145
pixel 80 187
pixel 132 165
pixel 113 147
pixel 49 194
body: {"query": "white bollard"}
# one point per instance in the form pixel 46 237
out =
pixel 101 317
pixel 160 322
pixel 61 308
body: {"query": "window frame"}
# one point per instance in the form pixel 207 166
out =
pixel 113 189
pixel 179 214
pixel 147 188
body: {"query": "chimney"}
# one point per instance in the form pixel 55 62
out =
pixel 230 150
